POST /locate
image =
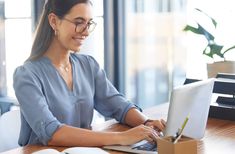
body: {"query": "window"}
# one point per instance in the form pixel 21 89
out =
pixel 2 52
pixel 155 55
pixel 18 33
pixel 159 55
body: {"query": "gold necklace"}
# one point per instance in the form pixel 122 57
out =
pixel 65 67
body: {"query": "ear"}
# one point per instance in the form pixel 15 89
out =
pixel 53 21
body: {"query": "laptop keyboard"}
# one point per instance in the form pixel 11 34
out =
pixel 148 146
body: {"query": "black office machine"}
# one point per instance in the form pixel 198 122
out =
pixel 223 102
pixel 224 106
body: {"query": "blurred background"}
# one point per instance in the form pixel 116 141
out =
pixel 140 43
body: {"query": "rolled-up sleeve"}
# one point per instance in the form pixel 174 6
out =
pixel 108 101
pixel 33 104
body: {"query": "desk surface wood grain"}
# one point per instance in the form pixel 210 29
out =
pixel 219 136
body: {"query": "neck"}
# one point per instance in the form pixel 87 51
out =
pixel 58 54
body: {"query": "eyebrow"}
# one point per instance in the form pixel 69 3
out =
pixel 80 18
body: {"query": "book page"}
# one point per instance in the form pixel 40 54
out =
pixel 47 151
pixel 82 150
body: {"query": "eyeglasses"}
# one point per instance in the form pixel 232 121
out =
pixel 81 26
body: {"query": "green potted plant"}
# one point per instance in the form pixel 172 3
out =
pixel 212 49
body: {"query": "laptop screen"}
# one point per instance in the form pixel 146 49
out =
pixel 191 100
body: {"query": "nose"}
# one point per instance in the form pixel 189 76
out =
pixel 85 31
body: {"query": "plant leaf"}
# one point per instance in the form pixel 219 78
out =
pixel 229 49
pixel 208 54
pixel 212 19
pixel 208 35
pixel 201 31
pixel 192 29
pixel 215 49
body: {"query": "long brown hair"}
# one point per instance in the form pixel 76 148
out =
pixel 44 32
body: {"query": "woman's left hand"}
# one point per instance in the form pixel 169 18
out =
pixel 158 125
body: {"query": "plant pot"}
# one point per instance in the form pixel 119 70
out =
pixel 220 67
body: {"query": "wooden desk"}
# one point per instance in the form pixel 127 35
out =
pixel 219 137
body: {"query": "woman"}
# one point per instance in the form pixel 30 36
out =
pixel 58 89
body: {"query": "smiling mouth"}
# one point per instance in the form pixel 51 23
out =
pixel 79 40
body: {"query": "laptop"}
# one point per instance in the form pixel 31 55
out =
pixel 191 100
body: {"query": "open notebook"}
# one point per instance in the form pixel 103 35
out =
pixel 74 150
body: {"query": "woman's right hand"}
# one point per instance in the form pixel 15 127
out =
pixel 137 134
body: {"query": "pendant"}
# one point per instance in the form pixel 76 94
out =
pixel 66 69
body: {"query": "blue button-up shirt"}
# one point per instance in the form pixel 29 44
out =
pixel 47 103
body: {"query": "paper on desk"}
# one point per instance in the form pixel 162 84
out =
pixel 47 151
pixel 74 150
pixel 88 150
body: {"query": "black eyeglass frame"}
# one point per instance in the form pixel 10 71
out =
pixel 84 25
